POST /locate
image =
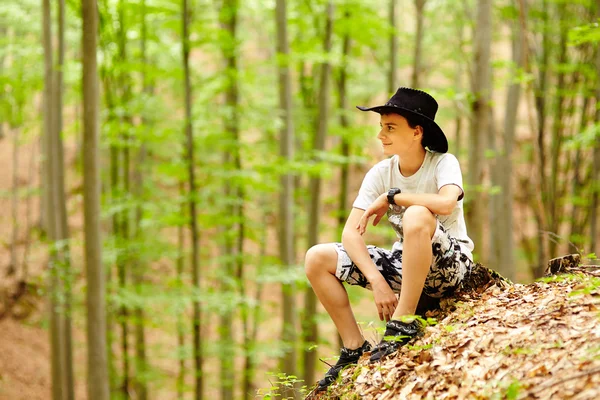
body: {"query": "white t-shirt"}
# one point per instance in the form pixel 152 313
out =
pixel 437 170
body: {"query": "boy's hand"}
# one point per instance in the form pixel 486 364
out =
pixel 378 208
pixel 385 299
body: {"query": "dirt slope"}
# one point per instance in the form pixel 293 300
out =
pixel 536 341
pixel 24 366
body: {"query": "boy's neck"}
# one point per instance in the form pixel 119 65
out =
pixel 409 164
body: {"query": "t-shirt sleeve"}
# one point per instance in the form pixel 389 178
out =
pixel 371 188
pixel 447 172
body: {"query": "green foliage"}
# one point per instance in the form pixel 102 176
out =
pixel 586 139
pixel 589 33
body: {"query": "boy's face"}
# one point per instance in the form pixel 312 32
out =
pixel 397 137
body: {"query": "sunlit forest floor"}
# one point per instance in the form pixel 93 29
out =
pixel 535 341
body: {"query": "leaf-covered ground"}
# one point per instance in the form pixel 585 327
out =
pixel 536 341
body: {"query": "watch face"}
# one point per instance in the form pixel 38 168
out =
pixel 391 193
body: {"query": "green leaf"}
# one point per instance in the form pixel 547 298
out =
pixel 589 33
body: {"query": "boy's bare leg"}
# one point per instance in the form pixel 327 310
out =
pixel 419 225
pixel 320 265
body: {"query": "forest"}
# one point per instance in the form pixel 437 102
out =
pixel 165 165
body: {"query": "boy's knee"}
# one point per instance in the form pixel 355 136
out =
pixel 418 219
pixel 319 259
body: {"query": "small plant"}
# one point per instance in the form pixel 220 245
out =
pixel 513 390
pixel 285 387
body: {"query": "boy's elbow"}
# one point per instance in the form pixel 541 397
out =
pixel 448 207
pixel 348 233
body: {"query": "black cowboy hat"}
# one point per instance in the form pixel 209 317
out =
pixel 422 107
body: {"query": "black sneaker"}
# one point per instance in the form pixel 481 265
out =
pixel 401 332
pixel 347 357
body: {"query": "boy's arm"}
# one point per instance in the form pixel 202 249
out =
pixel 441 203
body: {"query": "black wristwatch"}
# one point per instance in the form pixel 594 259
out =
pixel 391 193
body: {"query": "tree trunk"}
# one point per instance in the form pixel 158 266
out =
pixel 57 312
pixel 506 243
pixel 577 183
pixel 458 84
pixel 95 294
pixel 345 124
pixel 190 161
pixel 112 317
pixel 12 267
pixel 342 214
pixel 123 228
pixel 540 106
pixel 59 207
pixel 495 211
pixel 286 194
pixel 251 320
pixel 228 19
pixel 141 361
pixel 554 214
pixel 310 331
pixel 47 123
pixel 417 62
pixel 393 74
pixel 594 244
pixel 28 221
pixel 480 121
pixel 180 319
pixel 44 164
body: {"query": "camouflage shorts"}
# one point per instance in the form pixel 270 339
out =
pixel 449 268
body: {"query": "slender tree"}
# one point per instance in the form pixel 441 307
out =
pixel 342 86
pixel 346 142
pixel 594 245
pixel 45 206
pixel 393 74
pixel 180 268
pixel 141 361
pixel 310 325
pixel 541 111
pixel 12 267
pixel 558 128
pixel 15 125
pixel 458 85
pixel 61 230
pixel 107 74
pixel 286 193
pixel 418 54
pixel 480 121
pixel 123 253
pixel 95 295
pixel 252 315
pixel 505 245
pixel 234 234
pixel 578 182
pixel 190 160
pixel 28 219
pixel 57 343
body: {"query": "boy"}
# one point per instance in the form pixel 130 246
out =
pixel 420 188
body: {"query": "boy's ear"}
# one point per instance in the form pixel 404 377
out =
pixel 418 132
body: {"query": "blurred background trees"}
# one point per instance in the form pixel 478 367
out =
pixel 227 143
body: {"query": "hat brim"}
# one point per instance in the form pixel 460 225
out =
pixel 438 139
